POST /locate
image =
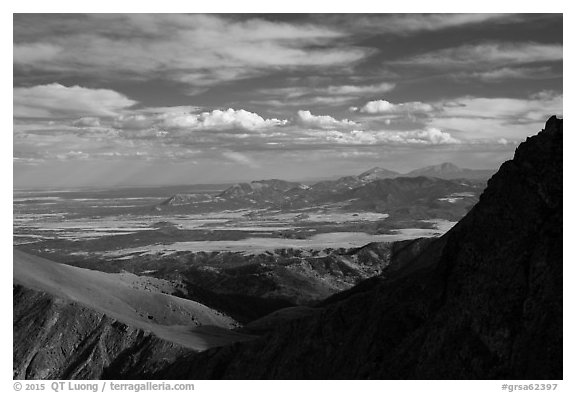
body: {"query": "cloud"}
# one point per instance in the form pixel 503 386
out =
pixel 169 109
pixel 199 50
pixel 418 22
pixel 72 155
pixel 220 120
pixel 23 128
pixel 429 136
pixel 501 117
pixel 306 101
pixel 507 73
pixel 57 101
pixel 134 121
pixel 329 95
pixel 538 107
pixel 407 24
pixel 145 118
pixel 156 121
pixel 86 122
pixel 331 90
pixel 491 54
pixel 151 130
pixel 178 127
pixel 324 122
pixel 433 136
pixel 359 90
pixel 30 54
pixel 475 118
pixel 386 107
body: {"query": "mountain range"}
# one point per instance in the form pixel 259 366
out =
pixel 484 301
pixel 377 190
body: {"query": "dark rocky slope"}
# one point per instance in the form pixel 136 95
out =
pixel 60 339
pixel 483 301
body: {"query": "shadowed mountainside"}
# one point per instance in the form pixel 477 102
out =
pixel 482 302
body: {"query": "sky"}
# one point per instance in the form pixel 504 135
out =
pixel 158 99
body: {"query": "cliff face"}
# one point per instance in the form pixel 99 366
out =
pixel 483 301
pixel 60 339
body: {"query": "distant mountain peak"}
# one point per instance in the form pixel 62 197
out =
pixel 449 166
pixel 378 173
pixel 448 170
pixel 445 167
pixel 266 189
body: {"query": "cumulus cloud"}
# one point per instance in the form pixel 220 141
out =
pixel 386 107
pixel 429 136
pixel 432 136
pixel 324 122
pixel 208 128
pixel 58 101
pixel 221 120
